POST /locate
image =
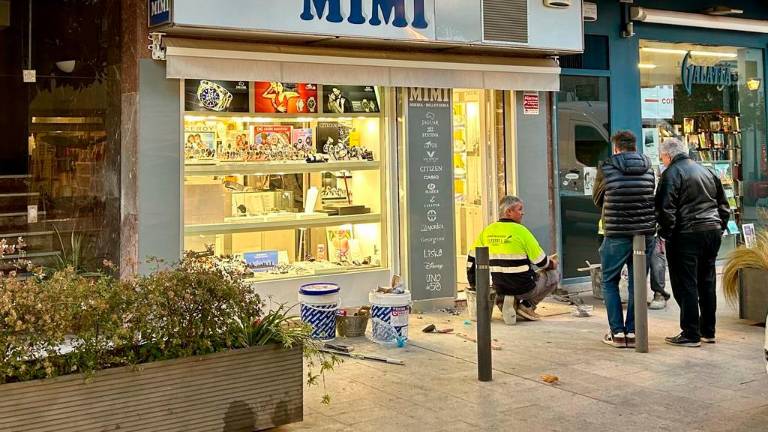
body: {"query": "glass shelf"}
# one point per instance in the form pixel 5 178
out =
pixel 264 168
pixel 277 225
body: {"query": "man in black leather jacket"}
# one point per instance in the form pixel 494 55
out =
pixel 693 212
pixel 623 190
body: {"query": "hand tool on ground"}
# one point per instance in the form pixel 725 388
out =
pixel 361 356
pixel 433 329
pixel 339 347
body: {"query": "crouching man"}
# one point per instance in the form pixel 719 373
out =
pixel 518 265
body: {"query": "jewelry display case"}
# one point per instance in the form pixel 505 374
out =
pixel 288 195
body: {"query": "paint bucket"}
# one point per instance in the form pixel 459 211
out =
pixel 319 303
pixel 389 316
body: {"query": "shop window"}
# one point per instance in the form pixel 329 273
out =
pixel 711 97
pixel 287 178
pixel 60 161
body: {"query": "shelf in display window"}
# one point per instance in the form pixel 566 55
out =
pixel 287 167
pixel 252 224
pixel 271 117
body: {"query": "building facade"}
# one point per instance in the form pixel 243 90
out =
pixel 660 69
pixel 346 141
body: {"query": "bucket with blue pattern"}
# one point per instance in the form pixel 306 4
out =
pixel 389 313
pixel 319 303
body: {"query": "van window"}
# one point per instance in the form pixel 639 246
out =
pixel 591 147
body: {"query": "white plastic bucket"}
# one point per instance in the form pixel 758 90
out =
pixel 389 313
pixel 319 303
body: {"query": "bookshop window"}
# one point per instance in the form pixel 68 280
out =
pixel 286 177
pixel 712 98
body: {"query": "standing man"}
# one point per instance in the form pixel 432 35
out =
pixel 693 212
pixel 519 267
pixel 624 192
pixel 659 276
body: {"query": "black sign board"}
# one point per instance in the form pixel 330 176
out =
pixel 431 225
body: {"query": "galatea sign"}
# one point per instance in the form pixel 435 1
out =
pixel 721 76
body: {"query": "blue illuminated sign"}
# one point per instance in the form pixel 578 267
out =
pixel 383 11
pixel 159 12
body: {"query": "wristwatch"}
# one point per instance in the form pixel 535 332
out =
pixel 213 96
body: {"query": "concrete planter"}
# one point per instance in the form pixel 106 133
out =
pixel 753 294
pixel 241 390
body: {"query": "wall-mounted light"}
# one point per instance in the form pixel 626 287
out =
pixel 646 66
pixel 66 66
pixel 754 84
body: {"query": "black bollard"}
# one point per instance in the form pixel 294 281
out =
pixel 641 293
pixel 483 283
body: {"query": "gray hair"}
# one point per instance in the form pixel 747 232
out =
pixel 673 147
pixel 507 203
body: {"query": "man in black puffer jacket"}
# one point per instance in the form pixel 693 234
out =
pixel 624 190
pixel 693 212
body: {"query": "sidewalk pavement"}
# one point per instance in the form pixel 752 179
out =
pixel 720 387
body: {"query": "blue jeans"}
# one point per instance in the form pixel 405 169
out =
pixel 615 252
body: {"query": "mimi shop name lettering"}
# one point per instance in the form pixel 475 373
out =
pixel 382 11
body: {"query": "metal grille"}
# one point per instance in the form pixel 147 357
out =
pixel 505 21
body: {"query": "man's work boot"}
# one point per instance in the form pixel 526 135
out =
pixel 659 302
pixel 525 310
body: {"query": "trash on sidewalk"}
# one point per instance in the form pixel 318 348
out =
pixel 361 356
pixel 466 337
pixel 583 310
pixel 433 329
pixel 550 379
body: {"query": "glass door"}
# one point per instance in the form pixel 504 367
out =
pixel 583 141
pixel 474 135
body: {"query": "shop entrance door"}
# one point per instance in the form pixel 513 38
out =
pixel 583 142
pixel 474 161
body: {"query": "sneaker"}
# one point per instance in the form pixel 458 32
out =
pixel 659 302
pixel 683 341
pixel 630 339
pixel 617 340
pixel 709 340
pixel 525 310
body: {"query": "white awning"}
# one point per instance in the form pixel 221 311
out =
pixel 239 61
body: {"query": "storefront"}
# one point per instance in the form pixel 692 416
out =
pixel 370 141
pixel 677 76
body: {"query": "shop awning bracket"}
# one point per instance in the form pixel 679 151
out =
pixel 157 48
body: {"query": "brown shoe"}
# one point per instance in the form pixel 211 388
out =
pixel 527 313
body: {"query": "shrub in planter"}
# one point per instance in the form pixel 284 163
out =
pixel 68 323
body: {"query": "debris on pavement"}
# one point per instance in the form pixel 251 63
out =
pixel 472 339
pixel 550 379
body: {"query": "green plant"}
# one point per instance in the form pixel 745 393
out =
pixel 199 306
pixel 71 256
pixel 742 258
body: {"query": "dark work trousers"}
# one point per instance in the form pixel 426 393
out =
pixel 691 258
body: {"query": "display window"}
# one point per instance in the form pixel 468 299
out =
pixel 712 98
pixel 287 178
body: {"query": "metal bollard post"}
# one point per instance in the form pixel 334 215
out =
pixel 641 295
pixel 483 283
